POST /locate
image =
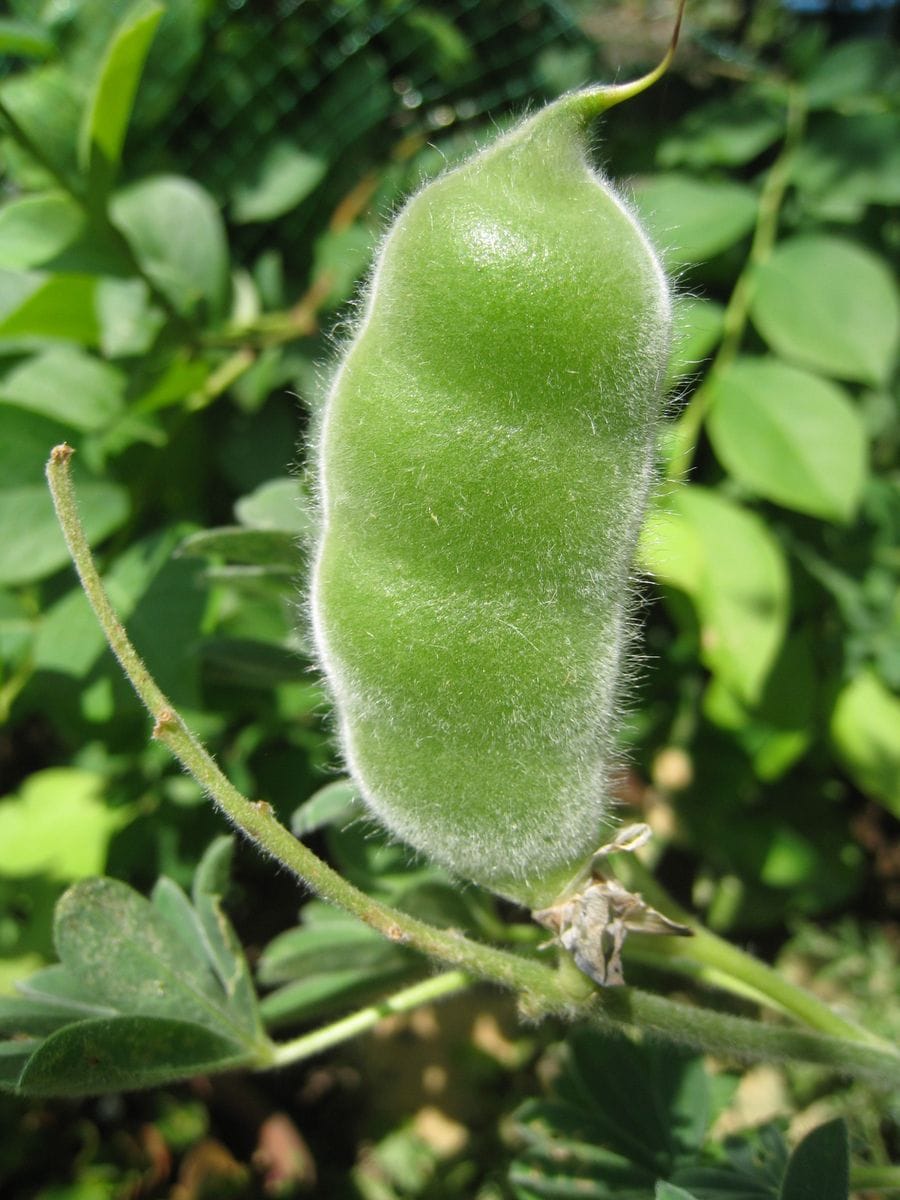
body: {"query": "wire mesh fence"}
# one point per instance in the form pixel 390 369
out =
pixel 299 114
pixel 292 101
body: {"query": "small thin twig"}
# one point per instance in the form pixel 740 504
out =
pixel 737 311
pixel 424 992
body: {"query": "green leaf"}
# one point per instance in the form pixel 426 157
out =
pixel 57 825
pixel 847 162
pixel 662 1113
pixel 176 231
pixel 13 1057
pixel 575 1170
pixel 144 992
pixel 172 904
pixel 250 547
pixel 697 331
pixel 57 307
pixel 223 949
pixel 322 996
pixel 31 544
pixel 120 948
pixel 334 804
pixel 329 963
pixel 692 219
pixel 789 436
pixel 25 40
pixel 45 104
pixel 829 304
pixel 334 946
pixel 114 943
pixel 819 1168
pixel 752 1168
pixel 621 1116
pixel 284 176
pixel 106 117
pixel 55 987
pixel 16 627
pixel 865 728
pixel 20 1015
pixel 276 504
pixel 129 321
pixel 668 1191
pixel 112 1054
pixel 34 229
pixel 70 640
pixel 734 571
pixel 851 69
pixel 340 260
pixel 246 662
pixel 727 132
pixel 68 385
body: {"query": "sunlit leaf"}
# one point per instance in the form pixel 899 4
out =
pixel 276 504
pixel 176 231
pixel 284 176
pixel 105 119
pixel 865 728
pixel 25 39
pixel 66 384
pixel 727 132
pixel 52 307
pixel 790 436
pixel 829 304
pixel 58 825
pixel 692 220
pixel 334 804
pixel 733 569
pixel 33 229
pixel 31 544
pixel 698 328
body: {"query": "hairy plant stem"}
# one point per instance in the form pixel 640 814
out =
pixel 542 991
pixel 425 992
pixel 686 431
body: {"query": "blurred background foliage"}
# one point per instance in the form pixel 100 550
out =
pixel 170 304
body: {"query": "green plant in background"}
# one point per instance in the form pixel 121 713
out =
pixel 169 367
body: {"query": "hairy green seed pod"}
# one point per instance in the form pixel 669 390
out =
pixel 484 460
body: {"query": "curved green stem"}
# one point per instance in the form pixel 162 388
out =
pixel 714 960
pixel 542 991
pixel 592 101
pixel 744 1039
pixel 877 1179
pixel 686 431
pixel 425 992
